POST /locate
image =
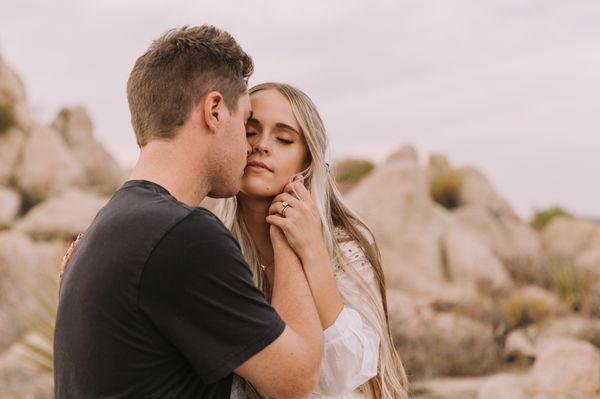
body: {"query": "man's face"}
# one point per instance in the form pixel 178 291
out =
pixel 232 148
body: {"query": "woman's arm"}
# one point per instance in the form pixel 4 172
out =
pixel 324 289
pixel 299 219
pixel 351 344
pixel 290 366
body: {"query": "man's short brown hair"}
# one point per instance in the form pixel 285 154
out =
pixel 178 69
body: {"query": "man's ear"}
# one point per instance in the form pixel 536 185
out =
pixel 214 110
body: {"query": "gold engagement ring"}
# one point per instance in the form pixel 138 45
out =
pixel 285 205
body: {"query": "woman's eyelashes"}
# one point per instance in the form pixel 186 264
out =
pixel 280 139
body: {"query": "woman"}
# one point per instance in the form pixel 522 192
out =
pixel 287 184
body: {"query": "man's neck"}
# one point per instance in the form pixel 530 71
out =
pixel 161 163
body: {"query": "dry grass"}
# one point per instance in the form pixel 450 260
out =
pixel 543 217
pixel 40 320
pixel 7 117
pixel 524 270
pixel 446 188
pixel 349 172
pixel 520 311
pixel 570 282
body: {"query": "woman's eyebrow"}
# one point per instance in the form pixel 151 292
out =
pixel 250 116
pixel 284 126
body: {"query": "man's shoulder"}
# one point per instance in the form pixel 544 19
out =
pixel 203 224
pixel 200 234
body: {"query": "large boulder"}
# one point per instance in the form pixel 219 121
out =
pixel 12 91
pixel 425 251
pixel 470 261
pixel 568 237
pixel 434 343
pixel 566 368
pixel 447 387
pixel 394 200
pixel 63 216
pixel 10 203
pixel 103 174
pixel 524 343
pixel 504 386
pixel 11 145
pixel 509 239
pixel 11 86
pixel 520 346
pixel 437 166
pixel 47 166
pixel 478 191
pixel 576 242
pixel 570 326
pixel 589 259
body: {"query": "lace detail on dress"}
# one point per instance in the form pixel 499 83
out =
pixel 353 255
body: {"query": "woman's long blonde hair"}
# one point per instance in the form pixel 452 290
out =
pixel 391 381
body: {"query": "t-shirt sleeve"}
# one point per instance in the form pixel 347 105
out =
pixel 198 291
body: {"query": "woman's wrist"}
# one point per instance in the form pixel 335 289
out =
pixel 315 258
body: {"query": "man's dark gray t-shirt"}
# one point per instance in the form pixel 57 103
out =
pixel 157 302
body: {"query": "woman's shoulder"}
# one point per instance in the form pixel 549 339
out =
pixel 350 247
pixel 342 235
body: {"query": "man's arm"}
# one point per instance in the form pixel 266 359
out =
pixel 289 367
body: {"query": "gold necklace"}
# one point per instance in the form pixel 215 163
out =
pixel 264 267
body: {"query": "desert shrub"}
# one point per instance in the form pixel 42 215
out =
pixel 519 310
pixel 569 281
pixel 543 217
pixel 40 320
pixel 350 171
pixel 7 117
pixel 445 189
pixel 525 270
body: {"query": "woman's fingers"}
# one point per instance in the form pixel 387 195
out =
pixel 279 208
pixel 301 191
pixel 290 199
pixel 278 221
pixel 68 255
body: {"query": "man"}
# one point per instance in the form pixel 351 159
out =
pixel 158 301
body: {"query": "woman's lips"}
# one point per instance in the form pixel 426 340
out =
pixel 258 166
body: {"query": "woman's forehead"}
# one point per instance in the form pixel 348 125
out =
pixel 270 107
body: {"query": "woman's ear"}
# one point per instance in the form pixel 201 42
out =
pixel 212 109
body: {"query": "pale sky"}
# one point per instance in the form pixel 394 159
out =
pixel 511 87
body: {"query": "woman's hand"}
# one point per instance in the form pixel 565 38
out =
pixel 68 255
pixel 296 214
pixel 278 240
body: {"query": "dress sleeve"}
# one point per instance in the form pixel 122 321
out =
pixel 351 345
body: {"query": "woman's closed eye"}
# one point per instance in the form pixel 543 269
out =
pixel 250 133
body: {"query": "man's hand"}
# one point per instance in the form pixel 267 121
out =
pixel 68 255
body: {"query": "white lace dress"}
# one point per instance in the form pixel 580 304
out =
pixel 351 346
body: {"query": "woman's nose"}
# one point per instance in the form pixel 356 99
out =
pixel 261 145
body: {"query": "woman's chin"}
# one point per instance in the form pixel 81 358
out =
pixel 254 189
